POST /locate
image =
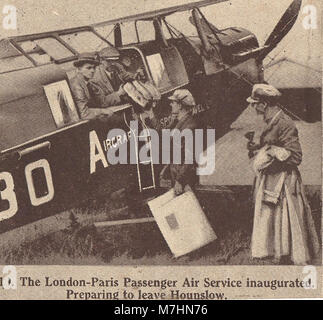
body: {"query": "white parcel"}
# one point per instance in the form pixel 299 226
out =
pixel 182 222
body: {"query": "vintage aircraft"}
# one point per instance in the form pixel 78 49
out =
pixel 47 151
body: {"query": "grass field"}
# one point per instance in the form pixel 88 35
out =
pixel 143 244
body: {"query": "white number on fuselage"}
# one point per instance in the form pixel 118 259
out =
pixel 9 194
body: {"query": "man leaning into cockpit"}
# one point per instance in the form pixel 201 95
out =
pixel 111 74
pixel 108 76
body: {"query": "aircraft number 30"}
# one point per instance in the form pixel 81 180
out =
pixel 8 193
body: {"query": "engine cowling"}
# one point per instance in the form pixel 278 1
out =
pixel 237 45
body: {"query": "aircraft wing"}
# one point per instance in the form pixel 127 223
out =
pixel 162 12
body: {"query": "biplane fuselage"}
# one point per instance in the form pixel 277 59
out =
pixel 47 163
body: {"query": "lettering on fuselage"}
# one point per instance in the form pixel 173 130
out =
pixel 166 121
pixel 116 141
pixel 9 205
pixel 200 108
pixel 99 153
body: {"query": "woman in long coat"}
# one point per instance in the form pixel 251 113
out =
pixel 283 223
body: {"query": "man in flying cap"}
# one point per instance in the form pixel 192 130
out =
pixel 262 96
pixel 126 65
pixel 89 98
pixel 110 75
pixel 183 174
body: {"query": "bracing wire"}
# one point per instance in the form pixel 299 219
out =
pixel 106 37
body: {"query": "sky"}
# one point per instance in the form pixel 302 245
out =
pixel 258 16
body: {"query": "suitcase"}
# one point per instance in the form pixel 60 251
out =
pixel 182 222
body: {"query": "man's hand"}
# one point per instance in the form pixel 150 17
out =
pixel 178 188
pixel 104 114
pixel 140 74
pixel 251 146
pixel 107 112
pixel 162 173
